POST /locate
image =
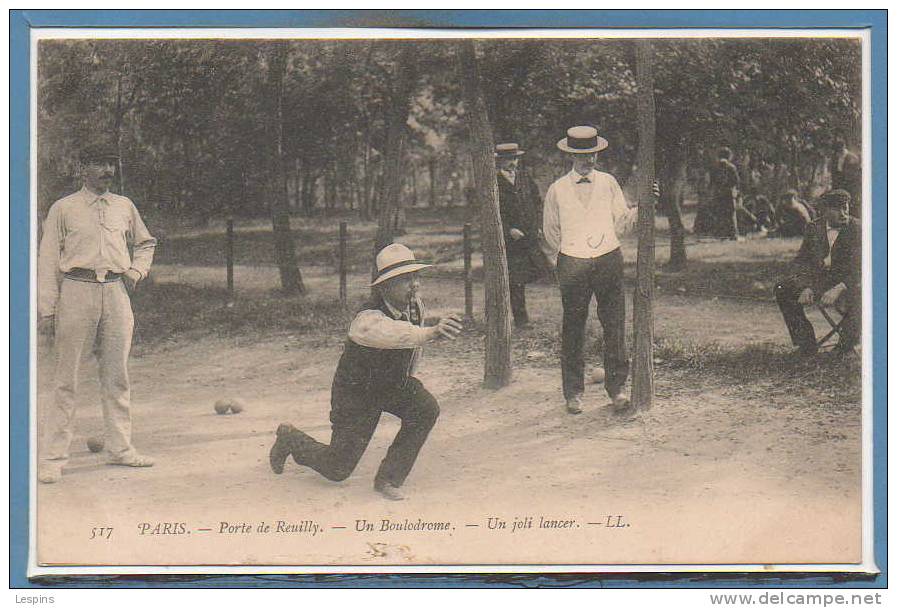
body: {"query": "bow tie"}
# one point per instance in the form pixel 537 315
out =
pixel 583 180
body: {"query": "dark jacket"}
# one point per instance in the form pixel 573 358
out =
pixel 724 179
pixel 520 206
pixel 846 256
pixel 374 371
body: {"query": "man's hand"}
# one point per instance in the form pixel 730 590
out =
pixel 131 277
pixel 656 189
pixel 46 326
pixel 449 327
pixel 516 234
pixel 805 297
pixel 831 296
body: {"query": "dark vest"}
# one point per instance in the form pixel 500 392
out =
pixel 375 370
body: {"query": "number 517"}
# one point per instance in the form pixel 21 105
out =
pixel 105 533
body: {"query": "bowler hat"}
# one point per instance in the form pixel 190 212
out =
pixel 394 260
pixel 582 140
pixel 98 151
pixel 508 150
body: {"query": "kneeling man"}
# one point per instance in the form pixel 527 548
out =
pixel 375 375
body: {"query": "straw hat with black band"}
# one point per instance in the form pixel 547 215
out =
pixel 394 260
pixel 508 150
pixel 582 140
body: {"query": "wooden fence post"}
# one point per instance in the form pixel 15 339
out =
pixel 229 254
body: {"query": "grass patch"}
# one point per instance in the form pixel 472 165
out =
pixel 764 363
pixel 169 313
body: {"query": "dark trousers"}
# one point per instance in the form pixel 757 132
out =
pixel 799 327
pixel 354 417
pixel 579 279
pixel 518 304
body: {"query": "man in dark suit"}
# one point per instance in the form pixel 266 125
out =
pixel 828 271
pixel 724 184
pixel 521 218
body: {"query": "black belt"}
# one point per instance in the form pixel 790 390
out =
pixel 85 274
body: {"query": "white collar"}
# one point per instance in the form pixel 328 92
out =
pixel 575 176
pixel 91 197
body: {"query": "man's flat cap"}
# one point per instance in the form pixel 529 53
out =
pixel 98 151
pixel 835 198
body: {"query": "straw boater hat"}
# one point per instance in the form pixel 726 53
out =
pixel 394 260
pixel 508 150
pixel 582 140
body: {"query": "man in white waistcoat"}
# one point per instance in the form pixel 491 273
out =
pixel 584 211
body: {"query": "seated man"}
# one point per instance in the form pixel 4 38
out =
pixel 828 271
pixel 765 214
pixel 794 215
pixel 374 375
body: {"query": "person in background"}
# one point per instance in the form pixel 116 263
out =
pixel 724 182
pixel 520 206
pixel 847 174
pixel 794 215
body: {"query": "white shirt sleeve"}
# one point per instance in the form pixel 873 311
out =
pixel 551 223
pixel 624 215
pixel 374 329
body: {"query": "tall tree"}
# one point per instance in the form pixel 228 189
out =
pixel 643 312
pixel 284 247
pixel 498 304
pixel 404 78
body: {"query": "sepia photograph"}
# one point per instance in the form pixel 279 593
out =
pixel 361 300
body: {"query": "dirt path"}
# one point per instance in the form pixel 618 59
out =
pixel 714 473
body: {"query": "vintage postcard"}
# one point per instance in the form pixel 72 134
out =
pixel 618 317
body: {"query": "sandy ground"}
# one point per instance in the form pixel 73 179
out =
pixel 714 473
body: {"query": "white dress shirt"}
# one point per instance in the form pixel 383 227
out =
pixel 582 218
pixel 91 231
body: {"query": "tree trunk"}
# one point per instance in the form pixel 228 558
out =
pixel 673 195
pixel 119 123
pixel 498 304
pixel 643 314
pixel 431 166
pixel 404 78
pixel 284 247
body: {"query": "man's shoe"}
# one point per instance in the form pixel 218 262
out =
pixel 846 349
pixel 281 449
pixel 574 405
pixel 132 460
pixel 388 491
pixel 621 404
pixel 49 473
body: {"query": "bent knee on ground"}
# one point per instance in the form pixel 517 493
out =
pixel 428 412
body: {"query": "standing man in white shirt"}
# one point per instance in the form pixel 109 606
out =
pixel 584 210
pixel 375 374
pixel 86 270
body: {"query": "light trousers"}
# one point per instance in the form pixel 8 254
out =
pixel 91 317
